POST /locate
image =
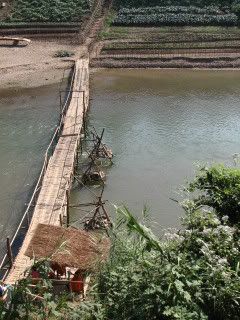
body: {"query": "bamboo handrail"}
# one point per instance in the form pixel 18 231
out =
pixel 41 175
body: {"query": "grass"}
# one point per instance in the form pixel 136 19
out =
pixel 141 39
pixel 107 24
pixel 146 32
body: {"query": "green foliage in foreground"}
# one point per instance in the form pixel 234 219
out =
pixel 50 11
pixel 194 275
pixel 190 274
pixel 220 190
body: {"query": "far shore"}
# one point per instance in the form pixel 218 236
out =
pixel 35 65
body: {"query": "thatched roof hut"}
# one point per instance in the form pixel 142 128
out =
pixel 69 247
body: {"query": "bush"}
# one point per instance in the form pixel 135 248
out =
pixel 236 10
pixel 190 274
pixel 63 54
pixel 220 190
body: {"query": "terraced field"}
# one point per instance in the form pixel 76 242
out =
pixel 143 45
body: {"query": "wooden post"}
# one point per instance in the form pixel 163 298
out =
pixel 28 218
pixel 84 114
pixel 61 105
pixel 60 219
pixel 76 163
pixel 9 252
pixel 106 214
pixel 68 217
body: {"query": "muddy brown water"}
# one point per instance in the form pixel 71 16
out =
pixel 27 121
pixel 159 123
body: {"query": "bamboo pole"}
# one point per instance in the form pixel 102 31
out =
pixel 9 252
pixel 68 216
pixel 60 219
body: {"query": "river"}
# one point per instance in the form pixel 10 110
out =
pixel 160 124
pixel 27 121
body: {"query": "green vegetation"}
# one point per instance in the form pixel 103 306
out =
pixel 172 9
pixel 173 45
pixel 49 11
pixel 200 3
pixel 172 33
pixel 220 190
pixel 190 274
pixel 177 20
pixel 63 54
pixel 173 40
pixel 107 23
pixel 175 16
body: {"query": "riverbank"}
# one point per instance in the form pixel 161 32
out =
pixel 35 64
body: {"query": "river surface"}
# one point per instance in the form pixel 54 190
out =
pixel 27 121
pixel 159 124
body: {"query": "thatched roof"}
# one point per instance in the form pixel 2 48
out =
pixel 69 247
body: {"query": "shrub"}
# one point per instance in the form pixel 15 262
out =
pixel 190 274
pixel 220 189
pixel 236 10
pixel 63 54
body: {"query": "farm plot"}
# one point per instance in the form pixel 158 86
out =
pixel 159 45
pixel 175 16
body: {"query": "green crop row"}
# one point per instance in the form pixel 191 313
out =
pixel 152 3
pixel 172 19
pixel 174 45
pixel 172 9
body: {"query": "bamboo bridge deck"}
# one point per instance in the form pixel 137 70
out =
pixel 51 204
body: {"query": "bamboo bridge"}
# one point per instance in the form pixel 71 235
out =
pixel 57 173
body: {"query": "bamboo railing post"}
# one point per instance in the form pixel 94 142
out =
pixel 9 252
pixel 28 219
pixel 68 216
pixel 60 219
pixel 84 113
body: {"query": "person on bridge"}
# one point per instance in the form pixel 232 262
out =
pixel 3 292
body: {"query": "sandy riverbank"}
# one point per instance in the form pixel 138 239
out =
pixel 35 64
